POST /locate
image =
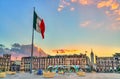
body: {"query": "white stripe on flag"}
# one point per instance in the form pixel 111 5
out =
pixel 38 25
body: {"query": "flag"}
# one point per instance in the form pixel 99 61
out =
pixel 38 24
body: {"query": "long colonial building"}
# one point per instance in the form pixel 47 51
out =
pixel 43 62
pixel 108 64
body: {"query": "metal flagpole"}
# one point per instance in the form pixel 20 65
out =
pixel 32 45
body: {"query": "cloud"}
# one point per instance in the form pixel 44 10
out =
pixel 115 26
pixel 92 24
pixel 60 7
pixel 85 24
pixel 73 1
pixel 85 2
pixel 72 9
pixel 117 12
pixel 1 51
pixel 101 4
pixel 109 3
pixel 114 6
pixel 104 3
pixel 17 45
pixel 65 51
pixel 110 7
pixel 108 13
pixel 2 46
pixel 118 19
pixel 63 4
pixel 19 51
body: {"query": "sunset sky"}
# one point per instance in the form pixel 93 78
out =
pixel 72 25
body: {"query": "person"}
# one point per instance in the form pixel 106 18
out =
pixel 40 72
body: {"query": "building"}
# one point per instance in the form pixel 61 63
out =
pixel 15 65
pixel 43 62
pixel 5 62
pixel 108 64
pixel 92 64
pixel 92 56
pixel 117 59
pixel 104 64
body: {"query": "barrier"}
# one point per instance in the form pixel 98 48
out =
pixel 48 74
pixel 81 73
pixel 93 72
pixel 10 72
pixel 61 72
pixel 2 75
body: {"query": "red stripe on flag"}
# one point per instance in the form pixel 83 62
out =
pixel 42 28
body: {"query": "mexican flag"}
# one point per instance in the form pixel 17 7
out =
pixel 38 24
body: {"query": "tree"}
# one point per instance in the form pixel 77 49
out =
pixel 2 48
pixel 6 50
pixel 116 55
pixel 118 69
pixel 16 47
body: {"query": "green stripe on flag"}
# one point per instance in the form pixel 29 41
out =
pixel 34 20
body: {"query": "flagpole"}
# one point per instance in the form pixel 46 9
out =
pixel 32 45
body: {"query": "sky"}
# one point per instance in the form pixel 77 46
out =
pixel 72 26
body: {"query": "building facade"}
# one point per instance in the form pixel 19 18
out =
pixel 117 59
pixel 105 64
pixel 108 64
pixel 43 62
pixel 15 65
pixel 5 62
pixel 92 56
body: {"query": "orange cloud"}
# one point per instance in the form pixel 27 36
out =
pixel 101 4
pixel 111 8
pixel 85 24
pixel 65 51
pixel 117 12
pixel 104 3
pixel 118 19
pixel 85 2
pixel 73 1
pixel 110 3
pixel 16 57
pixel 114 6
pixel 99 50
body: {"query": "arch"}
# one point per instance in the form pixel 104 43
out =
pixel 72 69
pixel 50 68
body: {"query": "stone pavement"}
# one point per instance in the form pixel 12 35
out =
pixel 65 76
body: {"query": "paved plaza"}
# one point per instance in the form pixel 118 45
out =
pixel 65 76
